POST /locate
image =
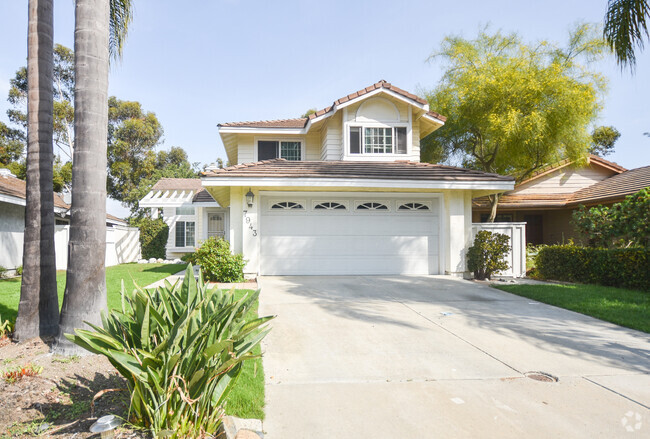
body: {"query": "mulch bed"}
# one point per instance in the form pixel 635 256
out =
pixel 58 401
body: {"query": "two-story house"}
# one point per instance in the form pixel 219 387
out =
pixel 339 192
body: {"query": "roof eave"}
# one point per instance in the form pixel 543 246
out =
pixel 450 184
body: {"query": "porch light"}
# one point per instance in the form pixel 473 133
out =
pixel 250 196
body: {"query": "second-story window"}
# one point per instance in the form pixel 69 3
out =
pixel 273 149
pixel 377 140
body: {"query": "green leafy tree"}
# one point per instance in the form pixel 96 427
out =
pixel 63 99
pixel 626 24
pixel 624 224
pixel 12 145
pixel 513 108
pixel 603 140
pixel 132 136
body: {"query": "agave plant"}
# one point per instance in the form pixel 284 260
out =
pixel 181 348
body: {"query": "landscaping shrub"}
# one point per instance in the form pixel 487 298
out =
pixel 19 271
pixel 3 272
pixel 217 262
pixel 181 349
pixel 153 237
pixel 617 267
pixel 488 254
pixel 622 225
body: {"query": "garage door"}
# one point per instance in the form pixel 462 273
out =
pixel 315 235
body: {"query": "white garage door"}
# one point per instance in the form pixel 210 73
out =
pixel 314 235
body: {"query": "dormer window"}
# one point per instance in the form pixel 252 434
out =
pixel 377 140
pixel 273 149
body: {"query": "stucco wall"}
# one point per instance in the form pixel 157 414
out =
pixel 12 225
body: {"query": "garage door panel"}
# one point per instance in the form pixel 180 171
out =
pixel 320 242
pixel 359 246
pixel 310 225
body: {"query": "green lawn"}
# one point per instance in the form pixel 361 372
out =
pixel 143 274
pixel 629 308
pixel 247 397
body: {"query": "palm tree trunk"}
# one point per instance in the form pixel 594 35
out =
pixel 38 311
pixel 85 290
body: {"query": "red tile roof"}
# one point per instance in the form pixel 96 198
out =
pixel 177 184
pixel 16 187
pixel 353 169
pixel 301 122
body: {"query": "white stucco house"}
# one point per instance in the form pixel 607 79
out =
pixel 339 192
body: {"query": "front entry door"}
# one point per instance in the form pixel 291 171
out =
pixel 216 224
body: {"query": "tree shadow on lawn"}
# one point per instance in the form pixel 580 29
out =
pixel 503 317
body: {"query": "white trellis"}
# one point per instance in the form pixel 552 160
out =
pixel 167 198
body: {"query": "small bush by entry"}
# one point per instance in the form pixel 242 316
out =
pixel 488 254
pixel 616 267
pixel 153 237
pixel 217 262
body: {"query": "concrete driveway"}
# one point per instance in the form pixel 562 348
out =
pixel 437 357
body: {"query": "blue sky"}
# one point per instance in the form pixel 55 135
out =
pixel 199 63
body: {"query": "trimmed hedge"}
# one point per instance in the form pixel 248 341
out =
pixel 616 267
pixel 153 237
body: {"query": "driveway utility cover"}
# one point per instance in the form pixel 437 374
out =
pixel 434 356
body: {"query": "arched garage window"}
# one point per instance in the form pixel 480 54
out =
pixel 287 205
pixel 413 206
pixel 330 205
pixel 372 206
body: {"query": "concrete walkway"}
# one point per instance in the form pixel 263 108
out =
pixel 436 357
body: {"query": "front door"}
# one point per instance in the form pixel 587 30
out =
pixel 534 229
pixel 216 224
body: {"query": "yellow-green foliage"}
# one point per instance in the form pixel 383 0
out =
pixel 513 107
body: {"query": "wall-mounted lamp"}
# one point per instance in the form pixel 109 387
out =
pixel 250 197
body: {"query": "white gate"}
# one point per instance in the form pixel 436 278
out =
pixel 516 257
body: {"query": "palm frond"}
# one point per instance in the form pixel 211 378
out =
pixel 625 27
pixel 121 16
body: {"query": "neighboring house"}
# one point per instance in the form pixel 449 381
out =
pixel 546 200
pixel 341 192
pixel 122 241
pixel 188 209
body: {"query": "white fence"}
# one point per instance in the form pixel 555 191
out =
pixel 122 245
pixel 11 249
pixel 517 256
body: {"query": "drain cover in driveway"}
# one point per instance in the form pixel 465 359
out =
pixel 541 376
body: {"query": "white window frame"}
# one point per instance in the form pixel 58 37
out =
pixel 301 140
pixel 363 126
pixel 184 221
